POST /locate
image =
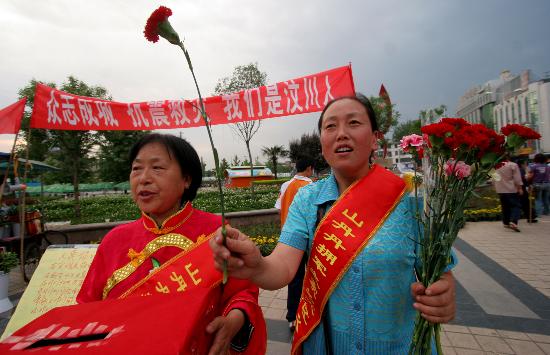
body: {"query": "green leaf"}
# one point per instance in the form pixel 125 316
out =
pixel 489 159
pixel 514 141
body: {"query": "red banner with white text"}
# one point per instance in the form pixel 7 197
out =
pixel 55 109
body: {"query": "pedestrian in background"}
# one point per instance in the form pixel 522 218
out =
pixel 529 213
pixel 539 175
pixel 509 189
pixel 304 168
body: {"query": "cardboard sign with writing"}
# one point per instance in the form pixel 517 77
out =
pixel 55 283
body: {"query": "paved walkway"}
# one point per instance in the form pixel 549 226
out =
pixel 503 294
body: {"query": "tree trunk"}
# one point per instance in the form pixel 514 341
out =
pixel 275 167
pixel 75 187
pixel 251 167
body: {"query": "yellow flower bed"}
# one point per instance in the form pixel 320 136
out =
pixel 265 244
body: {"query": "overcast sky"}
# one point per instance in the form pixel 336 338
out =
pixel 426 52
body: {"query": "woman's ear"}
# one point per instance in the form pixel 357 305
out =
pixel 187 181
pixel 377 136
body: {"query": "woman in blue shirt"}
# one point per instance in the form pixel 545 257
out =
pixel 371 309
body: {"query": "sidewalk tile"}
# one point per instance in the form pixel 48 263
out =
pixel 513 335
pixel 264 301
pixel 444 339
pixel 483 331
pixel 545 347
pixel 273 313
pixel 447 350
pixel 455 328
pixel 524 347
pixel 463 340
pixel 539 338
pixel 461 351
pixel 494 344
pixel 278 304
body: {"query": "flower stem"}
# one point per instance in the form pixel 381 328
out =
pixel 437 331
pixel 214 151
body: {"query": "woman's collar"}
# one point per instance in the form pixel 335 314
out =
pixel 170 223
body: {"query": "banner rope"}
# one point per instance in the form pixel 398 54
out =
pixel 22 200
pixel 10 160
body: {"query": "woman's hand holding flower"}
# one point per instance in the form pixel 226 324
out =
pixel 437 302
pixel 241 253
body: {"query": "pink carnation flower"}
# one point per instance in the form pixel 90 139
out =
pixel 459 169
pixel 414 140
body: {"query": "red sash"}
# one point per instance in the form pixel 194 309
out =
pixel 192 268
pixel 341 235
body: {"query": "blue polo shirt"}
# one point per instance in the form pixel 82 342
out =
pixel 370 311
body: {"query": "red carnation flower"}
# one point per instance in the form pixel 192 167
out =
pixel 522 131
pixel 457 122
pixel 157 17
pixel 438 129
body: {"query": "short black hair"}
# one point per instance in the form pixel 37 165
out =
pixel 363 100
pixel 303 163
pixel 183 152
pixel 540 158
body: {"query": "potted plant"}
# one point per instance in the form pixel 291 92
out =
pixel 12 216
pixel 4 224
pixel 12 213
pixel 8 260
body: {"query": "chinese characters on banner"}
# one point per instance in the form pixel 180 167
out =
pixel 55 109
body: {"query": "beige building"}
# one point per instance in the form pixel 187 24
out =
pixel 522 99
pixel 395 158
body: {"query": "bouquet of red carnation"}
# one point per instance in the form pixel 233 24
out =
pixel 457 157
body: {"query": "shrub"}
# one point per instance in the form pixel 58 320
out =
pixel 270 182
pixel 265 235
pixel 8 260
pixel 97 209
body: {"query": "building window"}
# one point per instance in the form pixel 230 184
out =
pixel 520 116
pixel 505 114
pixel 526 109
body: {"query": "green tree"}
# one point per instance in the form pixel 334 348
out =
pixel 308 145
pixel 387 116
pixel 114 162
pixel 273 154
pixel 69 150
pixel 203 167
pixel 236 161
pixel 244 77
pixel 432 114
pixel 406 128
pixel 224 165
pixel 39 140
